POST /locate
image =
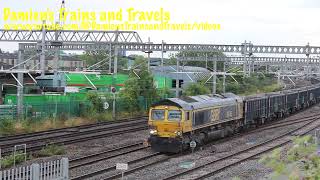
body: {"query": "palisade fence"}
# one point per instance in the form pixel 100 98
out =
pixel 46 110
pixel 58 170
pixel 55 109
pixel 74 108
pixel 8 111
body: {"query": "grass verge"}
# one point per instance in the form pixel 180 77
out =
pixel 8 161
pixel 51 150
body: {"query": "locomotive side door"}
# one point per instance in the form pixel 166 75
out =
pixel 187 121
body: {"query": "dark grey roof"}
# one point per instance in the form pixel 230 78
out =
pixel 4 65
pixel 64 58
pixel 15 56
pixel 187 73
pixel 201 101
pixel 181 69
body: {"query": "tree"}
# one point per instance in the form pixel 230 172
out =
pixel 93 57
pixel 96 101
pixel 130 94
pixel 173 58
pixel 139 84
pixel 194 89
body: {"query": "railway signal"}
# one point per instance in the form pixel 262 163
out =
pixel 113 91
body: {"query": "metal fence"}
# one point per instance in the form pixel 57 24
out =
pixel 55 109
pixel 48 110
pixel 58 170
pixel 8 111
pixel 38 110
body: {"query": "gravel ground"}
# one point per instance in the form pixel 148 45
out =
pixel 102 144
pixel 97 145
pixel 140 163
pixel 109 163
pixel 249 170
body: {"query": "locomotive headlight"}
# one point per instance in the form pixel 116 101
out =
pixel 153 131
pixel 178 133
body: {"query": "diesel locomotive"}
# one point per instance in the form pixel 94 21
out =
pixel 175 122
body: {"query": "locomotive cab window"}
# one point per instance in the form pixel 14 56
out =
pixel 174 115
pixel 157 114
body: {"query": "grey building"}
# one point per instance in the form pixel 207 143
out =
pixel 8 59
pixel 185 75
pixel 66 62
pixel 4 66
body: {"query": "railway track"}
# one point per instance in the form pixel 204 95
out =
pixel 214 166
pixel 36 142
pixel 284 122
pixel 105 155
pixel 67 129
pixel 134 168
pixel 136 164
pixel 271 125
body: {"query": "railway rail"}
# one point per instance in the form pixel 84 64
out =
pixel 237 157
pixel 67 129
pixel 108 154
pixel 157 158
pixel 36 142
pixel 284 122
pixel 270 125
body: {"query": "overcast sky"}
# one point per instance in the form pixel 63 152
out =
pixel 268 22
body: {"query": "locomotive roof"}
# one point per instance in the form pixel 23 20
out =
pixel 201 101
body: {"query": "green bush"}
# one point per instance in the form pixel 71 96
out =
pixel 7 127
pixel 251 85
pixel 301 162
pixel 96 101
pixel 27 125
pixel 107 116
pixel 8 161
pixel 194 89
pixel 51 150
pixel 139 85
